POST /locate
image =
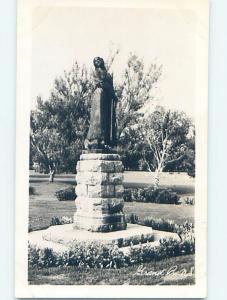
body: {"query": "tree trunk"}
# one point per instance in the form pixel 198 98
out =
pixel 51 175
pixel 158 173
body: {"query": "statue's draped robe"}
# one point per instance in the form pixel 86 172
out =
pixel 102 129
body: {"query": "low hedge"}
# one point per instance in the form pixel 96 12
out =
pixel 61 221
pixel 163 225
pixel 159 195
pixel 66 194
pixel 87 255
pixel 103 257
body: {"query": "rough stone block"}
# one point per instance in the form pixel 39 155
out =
pixel 105 191
pixel 115 204
pixel 118 167
pixel 81 190
pixel 99 222
pixel 99 190
pixel 107 166
pixel 115 178
pixel 95 191
pixel 99 156
pixel 92 178
pixel 105 205
pixel 119 190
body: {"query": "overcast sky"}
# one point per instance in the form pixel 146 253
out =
pixel 62 35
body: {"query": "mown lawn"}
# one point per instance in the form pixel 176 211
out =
pixel 171 271
pixel 43 206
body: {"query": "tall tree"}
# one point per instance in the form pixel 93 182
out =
pixel 165 135
pixel 59 125
pixel 134 93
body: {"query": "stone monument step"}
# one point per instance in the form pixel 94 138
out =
pixel 61 237
pixel 68 235
pixel 100 156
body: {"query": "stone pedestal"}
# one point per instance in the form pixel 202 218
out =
pixel 99 202
pixel 62 238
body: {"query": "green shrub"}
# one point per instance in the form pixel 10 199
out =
pixel 133 219
pixel 186 231
pixel 31 190
pixel 160 224
pixel 61 221
pixel 95 255
pixel 160 195
pixel 66 194
pixel 127 196
pixel 42 257
pixel 163 225
pixel 134 194
pixel 190 201
pixel 103 257
pixel 139 195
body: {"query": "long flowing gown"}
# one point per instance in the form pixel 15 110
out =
pixel 102 129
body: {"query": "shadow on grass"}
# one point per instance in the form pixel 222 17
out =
pixel 66 181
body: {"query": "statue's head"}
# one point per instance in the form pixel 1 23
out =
pixel 99 63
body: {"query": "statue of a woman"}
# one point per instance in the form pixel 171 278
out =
pixel 102 129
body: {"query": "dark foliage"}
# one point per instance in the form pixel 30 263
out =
pixel 31 190
pixel 103 257
pixel 66 194
pixel 159 195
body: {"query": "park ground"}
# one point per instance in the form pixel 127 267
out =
pixel 43 206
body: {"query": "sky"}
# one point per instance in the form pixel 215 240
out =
pixel 63 35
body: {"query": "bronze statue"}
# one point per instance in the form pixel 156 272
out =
pixel 102 130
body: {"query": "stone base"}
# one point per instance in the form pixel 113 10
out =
pixel 100 223
pixel 67 235
pixel 99 203
pixel 61 237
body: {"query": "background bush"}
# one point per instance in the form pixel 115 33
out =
pixel 163 225
pixel 66 194
pixel 190 201
pixel 159 195
pixel 31 190
pixel 61 221
pixel 160 224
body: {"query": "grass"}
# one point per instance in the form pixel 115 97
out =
pixel 178 213
pixel 171 271
pixel 43 206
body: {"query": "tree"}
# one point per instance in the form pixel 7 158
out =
pixel 188 164
pixel 165 136
pixel 59 125
pixel 134 93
